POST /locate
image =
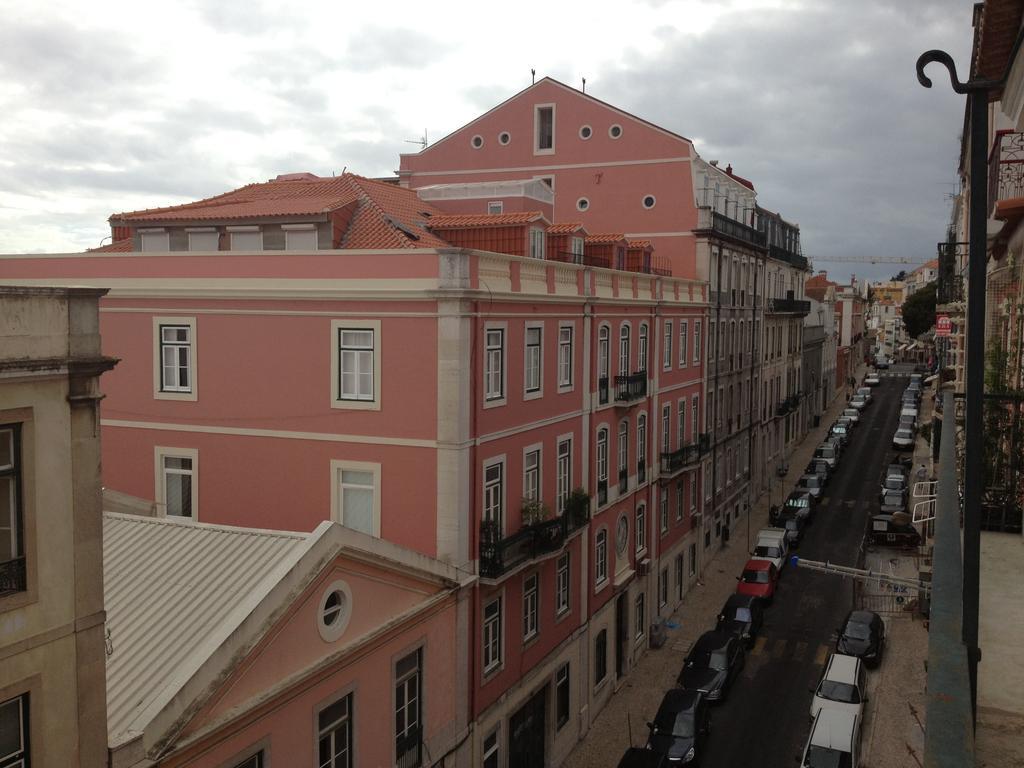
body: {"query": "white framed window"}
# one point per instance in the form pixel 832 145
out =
pixel 640 615
pixel 155 240
pixel 663 512
pixel 334 734
pixel 602 465
pixel 355 495
pixel 565 356
pixel 494 366
pixel 641 528
pixel 562 581
pixel 624 350
pixel 409 709
pixel 203 238
pixel 642 351
pixel 615 131
pixel 492 750
pixel 533 360
pixel 300 237
pixel 681 426
pixel 601 557
pixel 14 730
pixel 544 129
pixel 696 341
pixel 492 635
pixel 174 358
pixel 245 238
pixel 648 201
pixel 563 473
pixel 666 428
pixel 476 142
pixel 530 600
pixel 666 361
pixel 495 207
pixel 177 482
pixel 531 473
pixel 537 237
pixel 603 354
pixel 582 204
pixel 356 353
pixel 684 332
pixel 504 138
pixel 641 445
pixel 494 493
pixel 576 244
pixel 586 132
pixel 695 418
pixel 623 453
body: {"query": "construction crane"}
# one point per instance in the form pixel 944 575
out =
pixel 865 260
pixel 861 574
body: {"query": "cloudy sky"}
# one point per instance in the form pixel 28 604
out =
pixel 111 106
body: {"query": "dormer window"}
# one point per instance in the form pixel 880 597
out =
pixel 299 237
pixel 248 238
pixel 544 129
pixel 203 238
pixel 536 243
pixel 155 240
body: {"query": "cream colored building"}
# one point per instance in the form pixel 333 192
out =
pixel 52 660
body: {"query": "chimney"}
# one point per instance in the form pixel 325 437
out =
pixel 728 169
pixel 713 163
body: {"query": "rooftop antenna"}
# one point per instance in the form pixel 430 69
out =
pixel 422 142
pixel 584 85
pixel 533 75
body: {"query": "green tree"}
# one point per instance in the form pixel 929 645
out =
pixel 919 310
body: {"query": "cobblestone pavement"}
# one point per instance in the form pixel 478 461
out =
pixel 623 720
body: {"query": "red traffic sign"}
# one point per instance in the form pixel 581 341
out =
pixel 943 325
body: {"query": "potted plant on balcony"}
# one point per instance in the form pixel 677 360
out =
pixel 577 507
pixel 534 511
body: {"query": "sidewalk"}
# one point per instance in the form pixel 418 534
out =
pixel 637 700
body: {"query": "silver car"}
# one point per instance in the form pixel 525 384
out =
pixel 852 414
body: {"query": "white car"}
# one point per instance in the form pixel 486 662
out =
pixel 852 414
pixel 865 392
pixel 771 546
pixel 842 686
pixel 859 403
pixel 834 740
pixel 872 380
pixel 903 440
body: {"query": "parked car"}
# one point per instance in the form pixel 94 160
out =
pixel 834 741
pixel 892 531
pixel 893 502
pixel 852 414
pixel 881 362
pixel 916 378
pixel 681 727
pixel 865 392
pixel 827 453
pixel 907 422
pixel 894 483
pixel 909 410
pixel 820 468
pixel 641 757
pixel 771 545
pixel 712 664
pixel 842 686
pixel 742 615
pixel 797 504
pixel 794 528
pixel 872 379
pixel 841 432
pixel 759 579
pixel 837 443
pixel 904 439
pixel 862 634
pixel 812 484
pixel 897 468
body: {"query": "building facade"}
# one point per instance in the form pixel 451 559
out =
pixel 52 695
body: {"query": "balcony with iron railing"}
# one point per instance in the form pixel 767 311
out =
pixel 788 405
pixel 788 306
pixel 499 555
pixel 781 253
pixel 630 389
pixel 686 456
pixel 1005 168
pixel 13 576
pixel 712 221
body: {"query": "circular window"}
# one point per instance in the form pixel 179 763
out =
pixel 504 138
pixel 586 132
pixel 335 611
pixel 649 201
pixel 477 141
pixel 615 131
pixel 621 534
pixel 582 204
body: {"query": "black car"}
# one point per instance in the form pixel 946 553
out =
pixel 893 502
pixel 681 727
pixel 742 615
pixel 637 757
pixel 813 484
pixel 819 468
pixel 798 503
pixel 862 635
pixel 892 531
pixel 712 664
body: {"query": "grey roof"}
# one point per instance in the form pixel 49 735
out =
pixel 174 592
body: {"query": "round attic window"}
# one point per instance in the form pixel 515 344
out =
pixel 335 611
pixel 582 204
pixel 477 141
pixel 615 131
pixel 648 201
pixel 586 132
pixel 504 138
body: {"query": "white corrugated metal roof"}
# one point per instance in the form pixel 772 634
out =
pixel 174 592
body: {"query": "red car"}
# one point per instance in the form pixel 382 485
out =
pixel 760 579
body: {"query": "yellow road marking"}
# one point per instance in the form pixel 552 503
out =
pixel 821 655
pixel 801 649
pixel 759 645
pixel 780 648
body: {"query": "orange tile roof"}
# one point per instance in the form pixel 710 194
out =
pixel 608 237
pixel 118 246
pixel 463 220
pixel 565 228
pixel 639 243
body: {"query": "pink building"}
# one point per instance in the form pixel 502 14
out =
pixel 485 391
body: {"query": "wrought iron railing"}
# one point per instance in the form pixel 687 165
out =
pixel 13 576
pixel 720 224
pixel 566 257
pixel 1005 168
pixel 602 390
pixel 593 260
pixel 676 461
pixel 631 387
pixel 788 307
pixel 779 253
pixel 500 554
pixel 950 290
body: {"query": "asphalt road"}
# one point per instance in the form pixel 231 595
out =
pixel 765 721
